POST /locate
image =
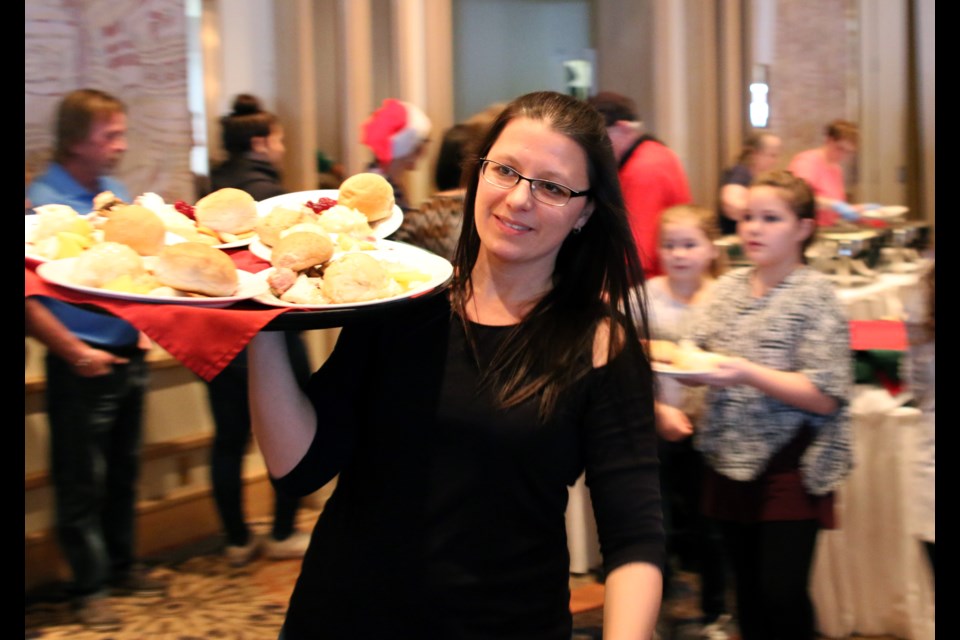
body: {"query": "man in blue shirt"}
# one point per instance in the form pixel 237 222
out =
pixel 96 378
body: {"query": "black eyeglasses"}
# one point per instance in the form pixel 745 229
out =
pixel 506 177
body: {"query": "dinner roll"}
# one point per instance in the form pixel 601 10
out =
pixel 270 226
pixel 357 277
pixel 137 227
pixel 368 193
pixel 301 250
pixel 663 351
pixel 197 268
pixel 105 262
pixel 227 210
pixel 693 359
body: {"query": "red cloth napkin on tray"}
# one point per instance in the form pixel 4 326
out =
pixel 204 340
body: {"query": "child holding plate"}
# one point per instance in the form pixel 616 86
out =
pixel 691 262
pixel 776 434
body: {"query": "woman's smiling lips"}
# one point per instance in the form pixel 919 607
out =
pixel 510 225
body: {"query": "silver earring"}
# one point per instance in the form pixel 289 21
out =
pixel 577 230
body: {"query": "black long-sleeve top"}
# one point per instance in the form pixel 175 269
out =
pixel 448 516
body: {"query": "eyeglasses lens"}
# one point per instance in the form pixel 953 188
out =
pixel 505 177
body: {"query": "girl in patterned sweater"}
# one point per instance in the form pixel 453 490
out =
pixel 776 434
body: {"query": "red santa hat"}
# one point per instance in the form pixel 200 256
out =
pixel 395 130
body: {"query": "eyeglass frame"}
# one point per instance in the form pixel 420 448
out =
pixel 533 187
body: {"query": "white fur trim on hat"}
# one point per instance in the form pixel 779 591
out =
pixel 416 131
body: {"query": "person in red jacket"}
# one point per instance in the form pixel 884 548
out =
pixel 651 175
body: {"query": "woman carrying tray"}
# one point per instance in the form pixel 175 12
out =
pixel 457 423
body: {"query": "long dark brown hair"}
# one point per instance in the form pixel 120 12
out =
pixel 597 276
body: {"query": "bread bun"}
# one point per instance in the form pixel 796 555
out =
pixel 301 250
pixel 270 226
pixel 357 277
pixel 137 227
pixel 693 359
pixel 368 193
pixel 227 210
pixel 663 351
pixel 105 202
pixel 197 268
pixel 105 262
pixel 307 227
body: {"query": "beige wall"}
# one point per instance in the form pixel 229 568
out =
pixel 134 49
pixel 814 73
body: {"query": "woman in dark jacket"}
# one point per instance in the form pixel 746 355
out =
pixel 253 139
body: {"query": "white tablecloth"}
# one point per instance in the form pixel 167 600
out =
pixel 879 300
pixel 871 576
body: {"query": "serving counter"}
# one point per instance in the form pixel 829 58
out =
pixel 870 576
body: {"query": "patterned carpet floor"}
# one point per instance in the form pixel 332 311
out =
pixel 208 599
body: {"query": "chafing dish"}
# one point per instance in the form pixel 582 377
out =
pixel 901 246
pixel 846 255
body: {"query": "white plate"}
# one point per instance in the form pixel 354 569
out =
pixel 233 245
pixel 437 268
pixel 260 250
pixel 669 370
pixel 886 213
pixel 59 272
pixel 381 229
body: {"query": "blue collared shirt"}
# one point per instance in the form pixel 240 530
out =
pixel 56 186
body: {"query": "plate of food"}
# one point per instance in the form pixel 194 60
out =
pixel 57 231
pixel 363 206
pixel 682 359
pixel 890 212
pixel 392 272
pixel 188 273
pixel 226 220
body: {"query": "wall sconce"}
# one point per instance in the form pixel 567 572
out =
pixel 578 78
pixel 759 105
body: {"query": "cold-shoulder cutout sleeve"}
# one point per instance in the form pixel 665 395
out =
pixel 620 454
